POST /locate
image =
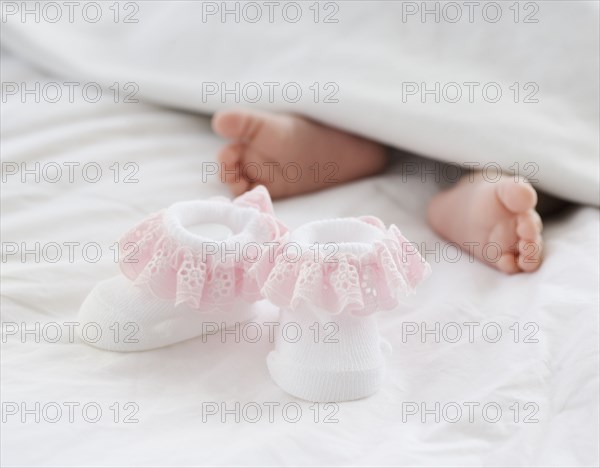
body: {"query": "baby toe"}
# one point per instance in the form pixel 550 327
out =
pixel 504 235
pixel 529 225
pixel 231 172
pixel 508 263
pixel 242 124
pixel 530 254
pixel 228 124
pixel 518 196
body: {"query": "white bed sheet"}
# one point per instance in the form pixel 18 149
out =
pixel 367 62
pixel 558 375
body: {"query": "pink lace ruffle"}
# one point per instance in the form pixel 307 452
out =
pixel 348 282
pixel 150 255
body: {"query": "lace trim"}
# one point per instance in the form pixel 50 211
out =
pixel 200 278
pixel 346 282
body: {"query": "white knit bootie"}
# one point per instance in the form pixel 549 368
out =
pixel 329 277
pixel 177 284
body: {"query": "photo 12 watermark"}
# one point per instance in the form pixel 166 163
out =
pixel 53 172
pixel 490 412
pixel 470 12
pixel 253 412
pixel 470 92
pixel 69 12
pixel 491 172
pixel 127 332
pixel 252 92
pixel 267 172
pixel 270 12
pixel 70 412
pixel 54 92
pixel 469 332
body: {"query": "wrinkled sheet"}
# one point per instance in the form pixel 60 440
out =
pixel 553 382
pixel 492 85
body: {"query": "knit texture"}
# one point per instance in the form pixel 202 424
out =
pixel 343 271
pixel 175 281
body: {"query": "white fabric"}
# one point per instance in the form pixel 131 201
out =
pixel 327 359
pixel 185 221
pixel 118 316
pixel 153 322
pixel 187 55
pixel 173 385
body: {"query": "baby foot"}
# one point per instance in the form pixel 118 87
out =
pixel 290 155
pixel 496 221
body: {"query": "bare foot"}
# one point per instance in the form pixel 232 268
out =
pixel 290 155
pixel 496 221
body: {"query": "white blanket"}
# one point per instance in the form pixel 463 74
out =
pixel 173 392
pixel 504 85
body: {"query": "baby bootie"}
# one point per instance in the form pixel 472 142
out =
pixel 328 279
pixel 177 284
